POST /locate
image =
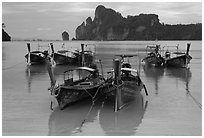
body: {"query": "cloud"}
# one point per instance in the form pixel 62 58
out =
pixel 75 7
pixel 46 7
pixel 43 29
pixel 9 10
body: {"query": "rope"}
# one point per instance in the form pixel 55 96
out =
pixel 145 89
pixel 88 93
pixel 196 101
pixel 6 68
pixel 90 109
pixel 117 86
pixel 93 98
pixel 86 117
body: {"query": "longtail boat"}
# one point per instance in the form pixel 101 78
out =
pixel 153 56
pixel 63 56
pixel 123 84
pixel 36 56
pixel 177 59
pixel 79 83
pixel 87 58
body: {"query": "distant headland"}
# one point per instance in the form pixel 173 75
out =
pixel 110 25
pixel 5 35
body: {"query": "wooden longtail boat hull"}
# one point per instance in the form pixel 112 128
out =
pixel 68 95
pixel 62 59
pixel 77 60
pixel 180 61
pixel 153 60
pixel 128 91
pixel 35 59
pixel 123 85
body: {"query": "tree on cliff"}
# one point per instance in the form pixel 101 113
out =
pixel 65 36
pixel 110 25
pixel 5 36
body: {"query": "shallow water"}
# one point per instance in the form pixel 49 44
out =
pixel 173 107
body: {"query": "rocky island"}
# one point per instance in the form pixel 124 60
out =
pixel 5 35
pixel 111 25
pixel 65 36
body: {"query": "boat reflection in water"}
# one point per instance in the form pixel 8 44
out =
pixel 155 74
pixel 34 73
pixel 59 71
pixel 38 72
pixel 70 120
pixel 183 74
pixel 125 121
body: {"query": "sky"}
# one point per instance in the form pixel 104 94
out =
pixel 47 20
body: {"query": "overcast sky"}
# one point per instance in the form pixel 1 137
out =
pixel 48 20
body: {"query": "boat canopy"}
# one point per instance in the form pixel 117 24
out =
pixel 125 69
pixel 85 68
pixel 128 69
pixel 81 68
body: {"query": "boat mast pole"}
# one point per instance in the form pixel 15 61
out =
pixel 187 54
pixel 28 45
pixel 117 82
pixel 50 71
pixel 52 48
pixel 101 67
pixel 52 79
pixel 82 54
pixel 188 48
pixel 28 60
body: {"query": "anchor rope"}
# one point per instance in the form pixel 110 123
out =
pixel 82 123
pixel 90 109
pixel 117 86
pixel 195 100
pixel 88 92
pixel 92 96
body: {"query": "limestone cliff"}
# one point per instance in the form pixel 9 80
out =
pixel 110 25
pixel 65 36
